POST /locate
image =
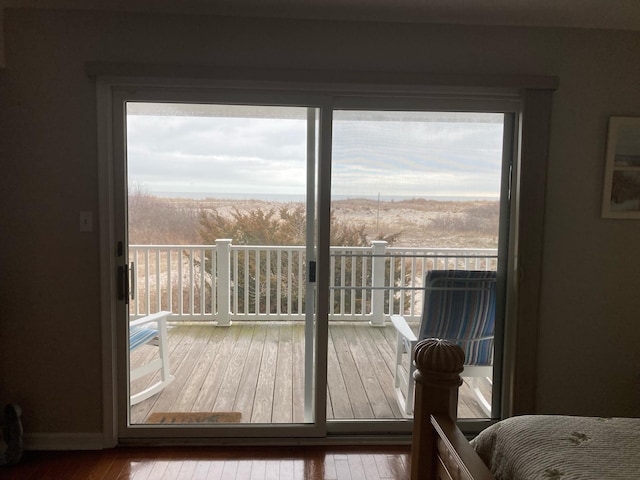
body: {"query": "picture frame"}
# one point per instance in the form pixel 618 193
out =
pixel 621 194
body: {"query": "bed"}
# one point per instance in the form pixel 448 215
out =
pixel 529 447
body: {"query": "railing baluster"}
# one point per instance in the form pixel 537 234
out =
pixel 257 283
pixel 290 280
pixel 342 282
pixel 158 281
pixel 235 289
pixel 378 274
pixel 181 253
pixel 147 292
pixel 401 281
pixel 191 279
pixel 215 305
pixel 353 265
pixel 332 292
pixel 414 276
pixel 302 280
pixel 278 282
pixel 169 281
pixel 245 282
pixel 365 269
pixel 203 299
pixel 267 282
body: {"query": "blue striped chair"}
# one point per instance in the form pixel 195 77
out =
pixel 460 306
pixel 151 329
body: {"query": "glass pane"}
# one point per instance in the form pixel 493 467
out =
pixel 217 234
pixel 412 192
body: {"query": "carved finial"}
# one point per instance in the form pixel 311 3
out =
pixel 438 362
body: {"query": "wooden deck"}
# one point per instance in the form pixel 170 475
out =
pixel 257 369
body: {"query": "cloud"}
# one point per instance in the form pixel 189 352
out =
pixel 408 153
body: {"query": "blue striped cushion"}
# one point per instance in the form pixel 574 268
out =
pixel 140 335
pixel 460 305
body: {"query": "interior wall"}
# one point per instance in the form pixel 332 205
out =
pixel 50 360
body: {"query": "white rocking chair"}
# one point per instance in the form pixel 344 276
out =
pixel 151 329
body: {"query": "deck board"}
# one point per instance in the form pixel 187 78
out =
pixel 209 390
pixel 249 378
pixel 356 393
pixel 283 392
pixel 263 404
pixel 257 369
pixel 339 406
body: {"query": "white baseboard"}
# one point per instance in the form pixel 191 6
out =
pixel 64 441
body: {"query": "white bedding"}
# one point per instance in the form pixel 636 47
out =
pixel 548 447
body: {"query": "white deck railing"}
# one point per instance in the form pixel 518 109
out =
pixel 225 282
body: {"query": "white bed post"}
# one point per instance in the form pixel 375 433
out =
pixel 438 367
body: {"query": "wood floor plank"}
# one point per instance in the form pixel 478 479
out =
pixel 159 469
pixel 356 468
pixel 244 470
pixel 272 470
pixel 201 470
pixel 118 469
pixel 192 470
pixel 230 469
pixel 330 471
pixel 215 470
pixel 342 468
pixel 258 470
pixel 382 465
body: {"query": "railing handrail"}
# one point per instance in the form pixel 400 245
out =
pixel 285 247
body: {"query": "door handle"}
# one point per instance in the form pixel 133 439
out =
pixel 123 283
pixel 312 272
pixel 132 280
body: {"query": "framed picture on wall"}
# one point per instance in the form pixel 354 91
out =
pixel 621 198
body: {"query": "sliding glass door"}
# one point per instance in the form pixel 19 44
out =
pixel 413 192
pixel 217 267
pixel 263 243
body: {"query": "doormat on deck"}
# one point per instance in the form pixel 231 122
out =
pixel 194 417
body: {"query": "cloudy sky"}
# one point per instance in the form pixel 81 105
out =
pixel 256 151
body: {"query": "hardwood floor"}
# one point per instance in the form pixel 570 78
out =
pixel 257 369
pixel 216 463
